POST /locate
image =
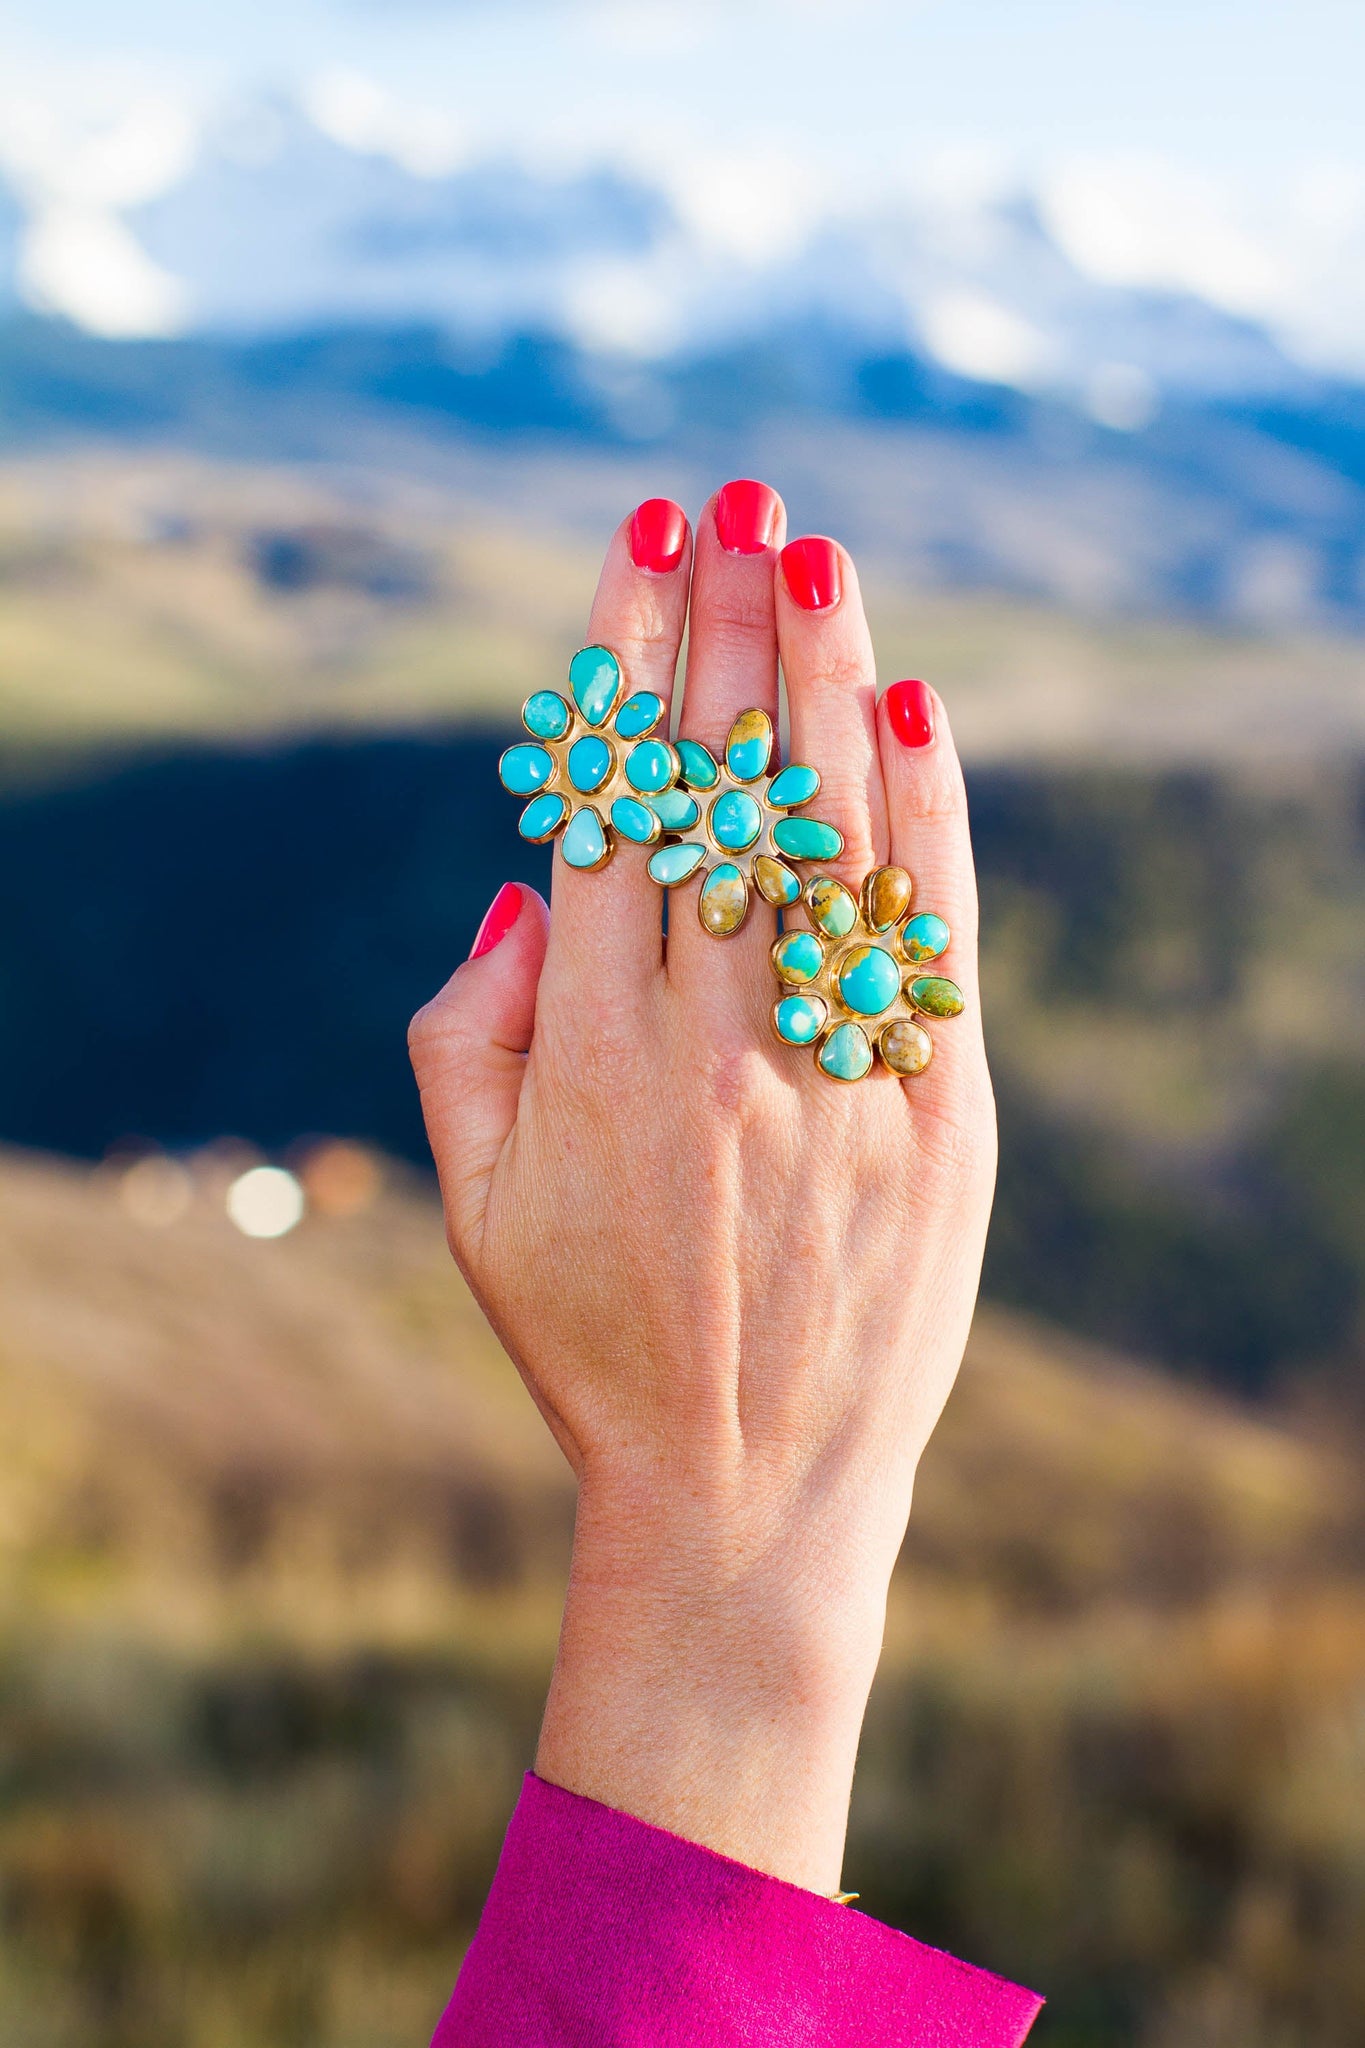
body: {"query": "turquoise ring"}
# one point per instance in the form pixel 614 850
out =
pixel 852 985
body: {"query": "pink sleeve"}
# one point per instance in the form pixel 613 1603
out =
pixel 602 1932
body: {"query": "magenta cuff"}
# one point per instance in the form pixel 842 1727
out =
pixel 603 1932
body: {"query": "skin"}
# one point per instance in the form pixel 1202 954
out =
pixel 738 1292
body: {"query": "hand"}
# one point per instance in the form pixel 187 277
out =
pixel 738 1291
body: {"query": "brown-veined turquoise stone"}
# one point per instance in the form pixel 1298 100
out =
pixel 807 839
pixel 674 864
pixel 793 785
pixel 595 678
pixel 546 715
pixel 542 817
pixel 846 1054
pixel 675 809
pixel 699 770
pixel 724 900
pixel 651 766
pixel 590 763
pixel 639 715
pixel 832 907
pixel 797 957
pixel 905 1046
pixel 525 769
pixel 585 843
pixel 936 997
pixel 775 882
pixel 924 938
pixel 735 820
pixel 869 980
pixel 634 821
pixel 750 746
pixel 799 1020
pixel 886 897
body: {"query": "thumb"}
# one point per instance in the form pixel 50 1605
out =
pixel 468 1048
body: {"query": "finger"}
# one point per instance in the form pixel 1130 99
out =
pixel 931 837
pixel 607 925
pixel 832 695
pixel 731 667
pixel 468 1048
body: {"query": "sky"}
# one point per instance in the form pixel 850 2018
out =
pixel 1181 142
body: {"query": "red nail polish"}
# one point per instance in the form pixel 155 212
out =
pixel 498 920
pixel 910 708
pixel 658 535
pixel 746 516
pixel 811 568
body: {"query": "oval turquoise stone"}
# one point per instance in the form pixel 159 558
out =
pixel 673 864
pixel 546 715
pixel 936 997
pixel 794 785
pixel 651 766
pixel 736 820
pixel 925 937
pixel 639 714
pixel 800 1019
pixel 634 821
pixel 846 1053
pixel 675 810
pixel 584 844
pixel 798 957
pixel 590 762
pixel 807 839
pixel 869 980
pixel 594 677
pixel 699 770
pixel 525 769
pixel 542 817
pixel 750 745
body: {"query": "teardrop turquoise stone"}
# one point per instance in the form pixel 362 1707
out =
pixel 546 715
pixel 634 821
pixel 639 714
pixel 800 1019
pixel 807 839
pixel 925 937
pixel 525 769
pixel 846 1053
pixel 590 762
pixel 794 785
pixel 699 770
pixel 651 766
pixel 542 817
pixel 675 810
pixel 869 980
pixel 584 844
pixel 673 864
pixel 595 677
pixel 736 820
pixel 798 957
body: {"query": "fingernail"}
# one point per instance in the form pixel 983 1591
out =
pixel 811 568
pixel 658 535
pixel 746 516
pixel 498 920
pixel 910 707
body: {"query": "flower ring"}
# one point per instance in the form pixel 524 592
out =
pixel 855 981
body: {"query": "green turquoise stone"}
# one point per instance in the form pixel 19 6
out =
pixel 699 770
pixel 546 715
pixel 807 839
pixel 542 817
pixel 634 821
pixel 584 844
pixel 639 715
pixel 925 937
pixel 590 763
pixel 675 810
pixel 800 1019
pixel 832 906
pixel 736 820
pixel 673 864
pixel 750 746
pixel 594 677
pixel 525 769
pixel 869 980
pixel 798 957
pixel 936 996
pixel 794 785
pixel 846 1054
pixel 651 766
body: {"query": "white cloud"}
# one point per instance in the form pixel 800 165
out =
pixel 84 263
pixel 359 114
pixel 975 335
